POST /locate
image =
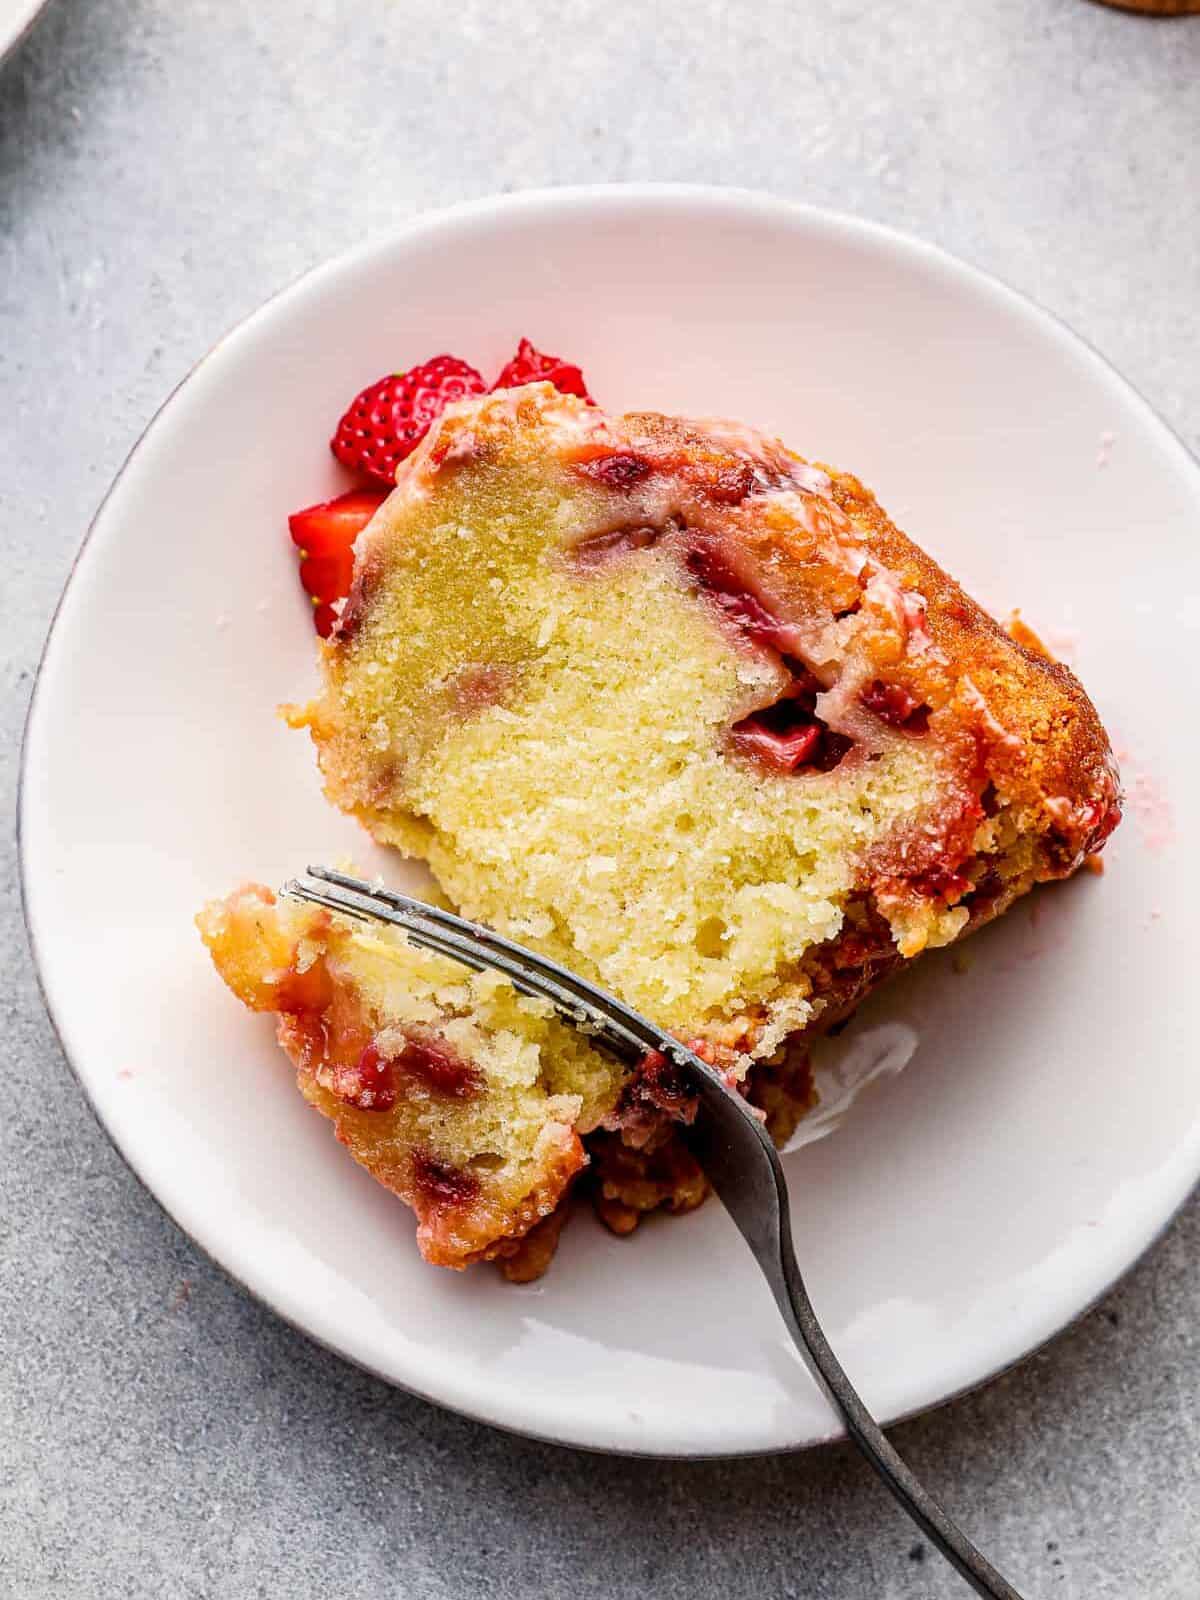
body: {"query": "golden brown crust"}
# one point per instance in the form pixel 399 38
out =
pixel 525 1260
pixel 459 1230
pixel 629 1183
pixel 1058 748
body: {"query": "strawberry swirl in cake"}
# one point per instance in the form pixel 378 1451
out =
pixel 690 715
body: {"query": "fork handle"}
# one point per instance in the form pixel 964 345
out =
pixel 791 1296
pixel 743 1166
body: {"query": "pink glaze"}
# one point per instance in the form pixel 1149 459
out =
pixel 905 607
pixel 1153 810
pixel 1146 797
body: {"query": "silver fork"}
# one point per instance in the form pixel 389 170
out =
pixel 732 1146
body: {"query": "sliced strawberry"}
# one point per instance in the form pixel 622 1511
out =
pixel 894 704
pixel 368 1085
pixel 529 365
pixel 327 577
pixel 333 525
pixel 325 536
pixel 324 618
pixel 429 1058
pixel 941 882
pixel 438 1183
pixel 731 581
pixel 783 752
pixel 388 420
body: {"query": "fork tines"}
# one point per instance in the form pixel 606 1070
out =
pixel 580 1003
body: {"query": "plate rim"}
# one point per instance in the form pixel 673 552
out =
pixel 427 222
pixel 18 28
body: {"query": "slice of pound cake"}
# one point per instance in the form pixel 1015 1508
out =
pixel 693 717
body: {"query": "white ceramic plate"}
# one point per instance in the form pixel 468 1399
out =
pixel 1050 1123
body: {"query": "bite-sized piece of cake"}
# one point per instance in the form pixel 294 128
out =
pixel 692 716
pixel 462 1096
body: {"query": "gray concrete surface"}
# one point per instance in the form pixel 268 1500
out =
pixel 164 165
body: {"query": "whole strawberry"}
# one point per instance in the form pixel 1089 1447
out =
pixel 529 365
pixel 387 422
